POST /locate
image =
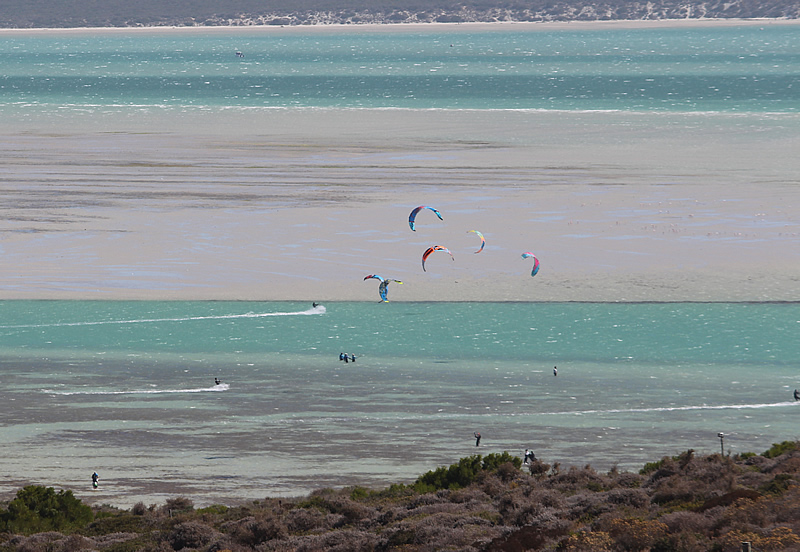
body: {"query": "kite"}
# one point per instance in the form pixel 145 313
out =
pixel 383 289
pixel 483 241
pixel 535 262
pixel 431 250
pixel 413 215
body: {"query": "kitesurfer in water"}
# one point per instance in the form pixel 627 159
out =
pixel 796 395
pixel 315 305
pixel 477 439
pixel 95 477
pixel 216 381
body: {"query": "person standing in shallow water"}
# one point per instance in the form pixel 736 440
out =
pixel 477 439
pixel 555 370
pixel 95 477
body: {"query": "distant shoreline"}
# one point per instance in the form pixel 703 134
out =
pixel 394 27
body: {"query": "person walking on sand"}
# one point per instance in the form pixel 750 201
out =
pixel 477 439
pixel 95 477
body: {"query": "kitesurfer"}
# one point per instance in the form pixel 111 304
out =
pixel 796 395
pixel 95 477
pixel 216 381
pixel 477 439
pixel 314 305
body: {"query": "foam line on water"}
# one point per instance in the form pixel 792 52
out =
pixel 319 309
pixel 212 389
pixel 679 408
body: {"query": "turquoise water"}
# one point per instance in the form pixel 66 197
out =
pixel 127 388
pixel 738 69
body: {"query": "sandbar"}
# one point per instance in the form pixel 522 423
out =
pixel 293 204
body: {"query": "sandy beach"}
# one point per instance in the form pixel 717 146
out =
pixel 417 27
pixel 302 204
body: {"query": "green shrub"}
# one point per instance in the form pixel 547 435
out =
pixel 358 493
pixel 120 523
pixel 650 467
pixel 395 491
pixel 464 473
pixel 37 509
pixel 780 448
pixel 493 461
pixel 217 509
pixel 455 477
pixel 779 484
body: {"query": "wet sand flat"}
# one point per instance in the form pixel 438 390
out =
pixel 302 204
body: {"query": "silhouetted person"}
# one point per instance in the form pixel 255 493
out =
pixel 555 370
pixel 95 477
pixel 477 439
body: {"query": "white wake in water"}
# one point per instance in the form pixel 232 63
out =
pixel 680 408
pixel 212 389
pixel 319 309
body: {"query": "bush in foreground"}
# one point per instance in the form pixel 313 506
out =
pixel 682 503
pixel 37 509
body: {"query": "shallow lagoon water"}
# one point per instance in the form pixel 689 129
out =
pixel 127 389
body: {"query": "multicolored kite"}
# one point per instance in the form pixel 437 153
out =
pixel 431 250
pixel 383 289
pixel 535 262
pixel 413 215
pixel 483 241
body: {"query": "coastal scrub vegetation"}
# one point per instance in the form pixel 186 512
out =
pixel 681 503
